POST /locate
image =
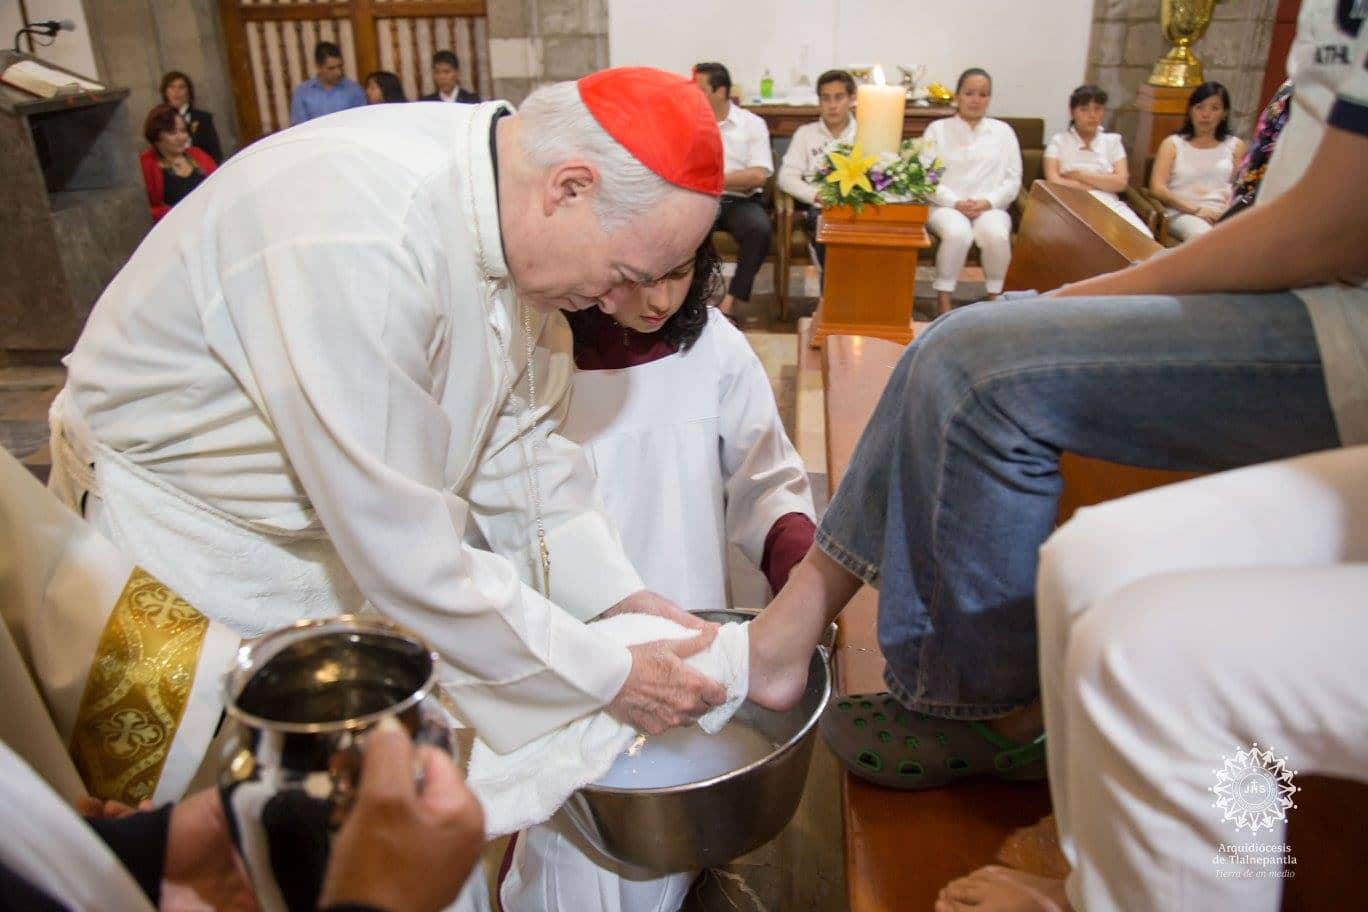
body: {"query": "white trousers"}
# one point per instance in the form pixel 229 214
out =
pixel 1177 626
pixel 991 231
pixel 553 870
pixel 1186 227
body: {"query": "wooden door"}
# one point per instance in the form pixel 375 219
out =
pixel 270 48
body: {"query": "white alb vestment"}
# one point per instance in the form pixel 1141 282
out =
pixel 691 457
pixel 307 387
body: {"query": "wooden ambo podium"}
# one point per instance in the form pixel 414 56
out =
pixel 871 271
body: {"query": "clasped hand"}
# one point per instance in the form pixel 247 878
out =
pixel 973 208
pixel 661 692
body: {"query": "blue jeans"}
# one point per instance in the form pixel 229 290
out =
pixel 955 484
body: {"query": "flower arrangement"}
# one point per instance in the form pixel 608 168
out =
pixel 848 177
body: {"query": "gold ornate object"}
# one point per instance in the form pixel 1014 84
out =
pixel 1184 23
pixel 939 93
pixel 137 691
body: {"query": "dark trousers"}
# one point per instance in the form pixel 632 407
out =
pixel 810 215
pixel 749 225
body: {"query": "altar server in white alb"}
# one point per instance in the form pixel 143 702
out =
pixel 1089 158
pixel 342 355
pixel 678 419
pixel 982 177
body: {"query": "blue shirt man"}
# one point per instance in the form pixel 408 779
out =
pixel 328 91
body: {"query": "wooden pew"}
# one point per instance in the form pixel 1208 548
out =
pixel 900 847
pixel 1067 235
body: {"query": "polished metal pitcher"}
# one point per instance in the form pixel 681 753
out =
pixel 300 702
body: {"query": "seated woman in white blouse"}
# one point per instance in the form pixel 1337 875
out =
pixel 1088 157
pixel 982 177
pixel 1194 168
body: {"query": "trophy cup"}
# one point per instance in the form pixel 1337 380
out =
pixel 912 74
pixel 1184 22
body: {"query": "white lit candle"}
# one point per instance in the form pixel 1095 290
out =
pixel 879 116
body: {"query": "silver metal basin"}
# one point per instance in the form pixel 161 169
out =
pixel 710 822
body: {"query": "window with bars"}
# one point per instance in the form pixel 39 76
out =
pixel 270 47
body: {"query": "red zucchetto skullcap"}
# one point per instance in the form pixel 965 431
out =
pixel 662 119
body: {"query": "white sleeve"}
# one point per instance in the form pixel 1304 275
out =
pixel 337 333
pixel 759 154
pixel 1350 111
pixel 1052 148
pixel 1005 191
pixel 763 474
pixel 1116 148
pixel 589 570
pixel 792 171
pixel 943 196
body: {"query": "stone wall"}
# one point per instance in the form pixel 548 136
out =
pixel 136 41
pixel 1127 40
pixel 537 41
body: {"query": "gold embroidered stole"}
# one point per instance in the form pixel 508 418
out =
pixel 137 691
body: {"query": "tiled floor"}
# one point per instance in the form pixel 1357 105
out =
pixel 25 394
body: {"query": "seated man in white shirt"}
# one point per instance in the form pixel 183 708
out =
pixel 748 164
pixel 836 95
pixel 446 76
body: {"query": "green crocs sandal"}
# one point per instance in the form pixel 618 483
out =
pixel 879 739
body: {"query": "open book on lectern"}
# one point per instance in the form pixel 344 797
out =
pixel 44 81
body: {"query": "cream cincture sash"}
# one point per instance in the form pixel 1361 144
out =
pixel 249 576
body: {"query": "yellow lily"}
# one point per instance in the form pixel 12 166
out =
pixel 851 171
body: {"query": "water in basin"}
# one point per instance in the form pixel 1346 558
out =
pixel 684 755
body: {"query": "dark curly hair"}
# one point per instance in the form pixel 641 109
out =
pixel 161 119
pixel 686 325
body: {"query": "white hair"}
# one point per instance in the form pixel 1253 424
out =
pixel 557 127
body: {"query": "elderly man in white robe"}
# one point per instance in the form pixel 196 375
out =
pixel 314 386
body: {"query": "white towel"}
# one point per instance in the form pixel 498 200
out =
pixel 526 786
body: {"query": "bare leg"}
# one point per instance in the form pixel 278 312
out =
pixel 783 636
pixel 999 889
pixel 945 300
pixel 1020 725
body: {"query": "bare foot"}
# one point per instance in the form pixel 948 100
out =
pixel 783 636
pixel 944 302
pixel 999 889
